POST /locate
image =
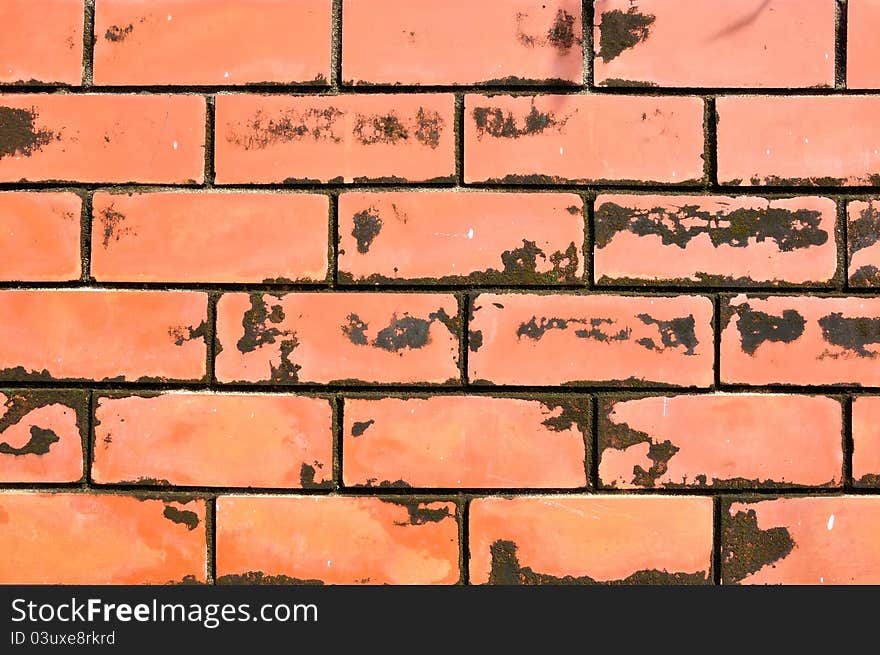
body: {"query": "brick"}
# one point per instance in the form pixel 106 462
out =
pixel 809 540
pixel 461 42
pixel 42 41
pixel 553 139
pixel 490 238
pixel 102 335
pixel 39 236
pixel 41 435
pixel 862 50
pixel 866 441
pixel 335 337
pixel 335 540
pixel 461 441
pixel 102 138
pixel 209 439
pixel 804 340
pixel 218 42
pixel 77 538
pixel 720 441
pixel 805 140
pixel 863 243
pixel 694 43
pixel 590 539
pixel 687 240
pixel 209 237
pixel 523 339
pixel 351 138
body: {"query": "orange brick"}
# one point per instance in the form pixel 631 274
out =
pixel 694 43
pixel 863 241
pixel 102 138
pixel 351 138
pixel 209 237
pixel 506 238
pixel 862 50
pixel 332 337
pixel 102 335
pixel 217 42
pixel 523 339
pixel 685 240
pixel 805 140
pixel 41 435
pixel 818 540
pixel 552 139
pixel 461 441
pixel 590 539
pixel 866 441
pixel 208 439
pixel 42 41
pixel 720 441
pixel 39 236
pixel 335 540
pixel 462 42
pixel 805 340
pixel 75 538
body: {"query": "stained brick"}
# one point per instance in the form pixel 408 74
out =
pixel 866 441
pixel 863 242
pixel 42 41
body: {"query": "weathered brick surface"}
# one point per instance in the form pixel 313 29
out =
pixel 352 291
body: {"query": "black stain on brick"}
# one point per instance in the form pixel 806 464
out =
pixel 356 330
pixel 253 578
pixel 367 225
pixel 39 444
pixel 507 570
pixel 429 127
pixel 182 516
pixel 379 128
pixel 19 135
pixel 561 35
pixel 116 33
pixel 112 227
pixel 401 332
pixel 257 333
pixel 747 549
pixel 863 231
pixel 521 264
pixel 866 276
pixel 757 327
pixel 496 123
pixel 788 229
pixel 475 340
pixel 419 512
pixel 678 332
pixel 265 129
pixel 576 412
pixel 307 474
pixel 851 334
pixel 359 427
pixel 183 334
pixel 619 31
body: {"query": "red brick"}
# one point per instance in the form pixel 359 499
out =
pixel 552 139
pixel 720 441
pixel 335 540
pixel 866 441
pixel 42 41
pixel 590 539
pixel 818 540
pixel 333 337
pixel 77 538
pixel 461 441
pixel 684 240
pixel 804 340
pixel 217 42
pixel 209 237
pixel 290 139
pixel 102 138
pixel 694 43
pixel 208 439
pixel 462 42
pixel 862 51
pixel 863 237
pixel 523 339
pixel 805 140
pixel 504 238
pixel 102 335
pixel 39 236
pixel 41 435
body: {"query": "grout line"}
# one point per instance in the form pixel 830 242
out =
pixel 716 329
pixel 210 128
pixel 459 139
pixel 338 438
pixel 588 19
pixel 336 46
pixel 464 315
pixel 589 214
pixel 593 450
pixel 211 339
pixel 88 59
pixel 464 508
pixel 333 240
pixel 842 234
pixel 840 44
pixel 710 150
pixel 211 539
pixel 86 237
pixel 848 443
pixel 89 452
pixel 717 508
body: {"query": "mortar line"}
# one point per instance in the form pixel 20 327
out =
pixel 210 129
pixel 717 534
pixel 841 10
pixel 211 340
pixel 211 539
pixel 336 46
pixel 593 454
pixel 464 311
pixel 333 238
pixel 88 44
pixel 459 139
pixel 338 439
pixel 587 27
pixel 464 539
pixel 86 212
pixel 710 147
pixel 848 443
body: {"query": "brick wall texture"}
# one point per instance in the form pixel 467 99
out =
pixel 392 291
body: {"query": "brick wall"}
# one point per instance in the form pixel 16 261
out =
pixel 383 291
